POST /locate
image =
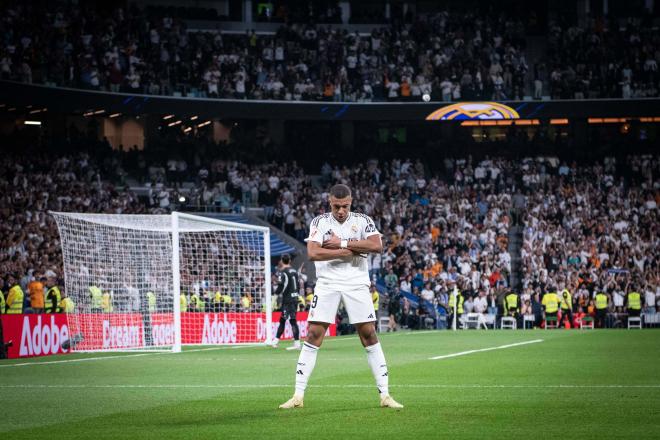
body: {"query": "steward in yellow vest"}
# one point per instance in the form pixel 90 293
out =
pixel 106 303
pixel 2 303
pixel 15 298
pixel 67 305
pixel 194 298
pixel 452 298
pixel 226 302
pixel 53 298
pixel 151 302
pixel 459 306
pixel 511 304
pixel 183 303
pixel 96 299
pixel 602 304
pixel 551 303
pixel 217 301
pixel 634 303
pixel 245 303
pixel 566 308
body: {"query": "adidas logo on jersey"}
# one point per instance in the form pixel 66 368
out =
pixel 300 372
pixel 371 315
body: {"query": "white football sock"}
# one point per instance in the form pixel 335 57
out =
pixel 305 366
pixel 376 360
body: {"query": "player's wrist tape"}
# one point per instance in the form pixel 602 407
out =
pixel 343 244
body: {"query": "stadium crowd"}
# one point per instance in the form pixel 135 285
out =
pixel 602 59
pixel 593 229
pixel 586 228
pixel 447 55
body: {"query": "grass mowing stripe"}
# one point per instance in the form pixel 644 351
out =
pixel 499 347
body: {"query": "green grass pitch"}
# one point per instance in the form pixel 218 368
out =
pixel 573 384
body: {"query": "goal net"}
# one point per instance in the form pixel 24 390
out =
pixel 155 282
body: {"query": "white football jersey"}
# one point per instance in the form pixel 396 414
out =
pixel 345 273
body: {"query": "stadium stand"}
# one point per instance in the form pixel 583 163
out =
pixel 447 55
pixel 586 227
pixel 602 58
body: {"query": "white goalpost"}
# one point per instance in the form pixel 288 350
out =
pixel 157 282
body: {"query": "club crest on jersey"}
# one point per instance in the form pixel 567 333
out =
pixel 354 228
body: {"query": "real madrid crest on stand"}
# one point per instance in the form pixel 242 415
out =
pixel 472 111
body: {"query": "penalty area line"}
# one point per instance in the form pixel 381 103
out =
pixel 499 347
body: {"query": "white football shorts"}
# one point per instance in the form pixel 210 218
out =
pixel 357 303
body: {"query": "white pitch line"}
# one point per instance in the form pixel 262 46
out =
pixel 261 386
pixel 500 347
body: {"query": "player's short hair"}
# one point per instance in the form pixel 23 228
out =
pixel 286 258
pixel 340 191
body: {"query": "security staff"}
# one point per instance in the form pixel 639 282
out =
pixel 15 298
pixel 246 303
pixel 194 303
pixel 53 298
pixel 453 301
pixel 67 305
pixel 96 299
pixel 227 301
pixel 551 303
pixel 512 305
pixel 2 303
pixel 217 301
pixel 602 306
pixel 106 302
pixel 151 301
pixel 566 307
pixel 634 304
pixel 200 304
pixel 183 303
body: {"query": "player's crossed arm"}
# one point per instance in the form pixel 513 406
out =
pixel 371 244
pixel 317 252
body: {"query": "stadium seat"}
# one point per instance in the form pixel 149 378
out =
pixel 634 322
pixel 651 319
pixel 528 319
pixel 551 322
pixel 383 323
pixel 474 318
pixel 507 322
pixel 587 322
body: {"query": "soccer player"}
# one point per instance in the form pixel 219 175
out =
pixel 338 243
pixel 287 286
